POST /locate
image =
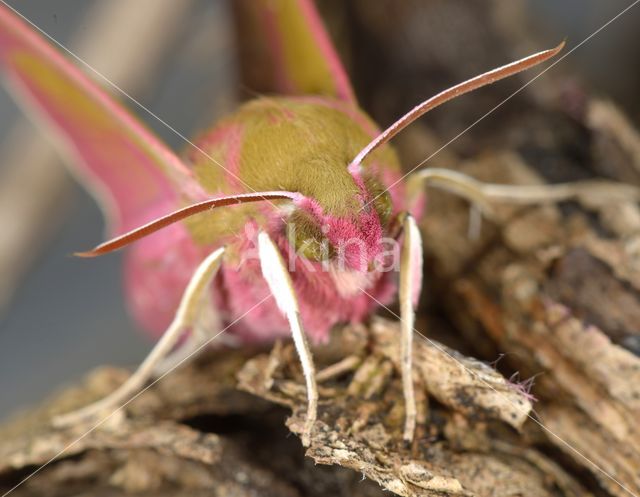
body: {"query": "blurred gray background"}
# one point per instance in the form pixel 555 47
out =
pixel 62 316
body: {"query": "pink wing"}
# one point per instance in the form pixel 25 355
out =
pixel 286 40
pixel 132 173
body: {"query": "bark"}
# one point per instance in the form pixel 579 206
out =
pixel 195 432
pixel 556 290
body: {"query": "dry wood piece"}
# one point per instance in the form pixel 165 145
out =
pixel 166 443
pixel 461 449
pixel 558 292
pixel 195 431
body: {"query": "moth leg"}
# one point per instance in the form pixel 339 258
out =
pixel 483 194
pixel 410 287
pixel 345 365
pixel 279 281
pixel 208 319
pixel 194 299
pixel 475 222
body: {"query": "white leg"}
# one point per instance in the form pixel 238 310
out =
pixel 277 276
pixel 187 315
pixel 475 222
pixel 207 320
pixel 482 194
pixel 179 354
pixel 410 286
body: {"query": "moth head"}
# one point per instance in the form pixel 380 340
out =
pixel 351 242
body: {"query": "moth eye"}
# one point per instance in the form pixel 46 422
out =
pixel 382 205
pixel 311 249
pixel 381 199
pixel 307 238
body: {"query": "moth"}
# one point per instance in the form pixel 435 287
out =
pixel 275 223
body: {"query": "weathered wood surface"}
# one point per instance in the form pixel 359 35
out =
pixel 196 432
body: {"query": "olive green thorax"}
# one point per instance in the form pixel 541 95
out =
pixel 295 144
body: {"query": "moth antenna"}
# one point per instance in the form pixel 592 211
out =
pixel 180 214
pixel 451 93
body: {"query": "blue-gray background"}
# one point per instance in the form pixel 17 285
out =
pixel 67 315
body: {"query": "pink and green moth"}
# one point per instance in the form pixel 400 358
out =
pixel 289 197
